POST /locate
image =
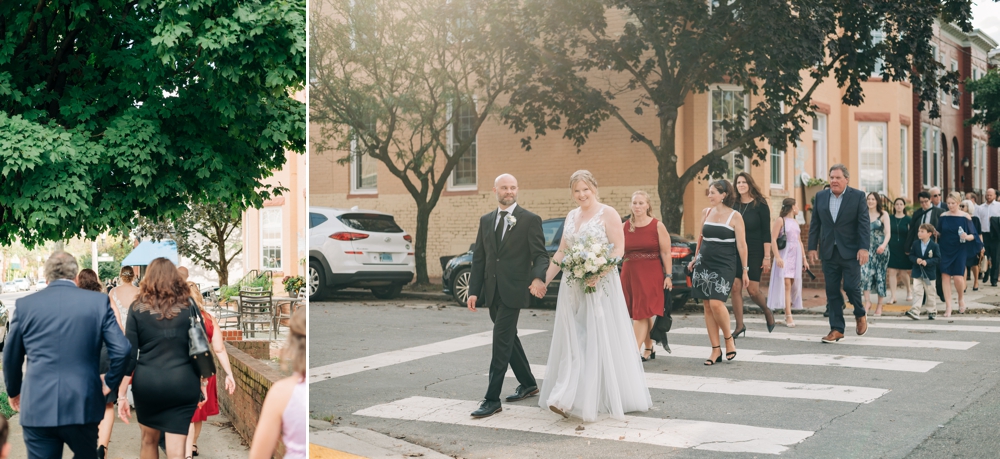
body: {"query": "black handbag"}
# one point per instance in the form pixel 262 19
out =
pixel 198 348
pixel 782 240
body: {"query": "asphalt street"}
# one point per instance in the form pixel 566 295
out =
pixel 413 368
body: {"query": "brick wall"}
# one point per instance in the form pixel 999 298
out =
pixel 253 380
pixel 257 348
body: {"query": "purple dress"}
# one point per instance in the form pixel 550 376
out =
pixel 792 256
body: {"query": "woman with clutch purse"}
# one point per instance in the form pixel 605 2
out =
pixel 166 386
pixel 785 291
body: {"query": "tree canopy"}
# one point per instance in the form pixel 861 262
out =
pixel 203 233
pixel 596 70
pixel 111 110
pixel 986 104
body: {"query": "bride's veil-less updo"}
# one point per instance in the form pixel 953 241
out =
pixel 583 176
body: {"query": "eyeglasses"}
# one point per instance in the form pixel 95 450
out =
pixel 935 196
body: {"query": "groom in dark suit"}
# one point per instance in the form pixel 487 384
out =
pixel 841 229
pixel 60 330
pixel 508 265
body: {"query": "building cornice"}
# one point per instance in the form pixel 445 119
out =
pixel 982 41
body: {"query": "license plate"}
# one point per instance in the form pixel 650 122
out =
pixel 385 257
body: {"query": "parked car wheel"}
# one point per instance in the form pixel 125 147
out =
pixel 461 288
pixel 316 281
pixel 387 293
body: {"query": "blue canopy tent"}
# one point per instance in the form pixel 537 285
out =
pixel 147 251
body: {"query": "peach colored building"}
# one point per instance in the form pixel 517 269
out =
pixel 875 140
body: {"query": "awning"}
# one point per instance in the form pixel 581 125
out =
pixel 147 251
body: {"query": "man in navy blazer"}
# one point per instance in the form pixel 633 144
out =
pixel 841 229
pixel 60 330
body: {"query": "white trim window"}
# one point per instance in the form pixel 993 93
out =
pixel 777 161
pixel 872 156
pixel 955 95
pixel 463 177
pixel 878 36
pixel 925 156
pixel 819 145
pixel 270 239
pixel 904 155
pixel 364 171
pixel 936 157
pixel 726 101
pixel 975 165
pixel 979 165
pixel 983 165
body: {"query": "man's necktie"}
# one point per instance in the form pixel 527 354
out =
pixel 500 226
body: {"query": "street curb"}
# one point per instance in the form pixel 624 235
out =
pixel 367 443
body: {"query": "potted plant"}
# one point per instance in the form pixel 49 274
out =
pixel 813 186
pixel 293 284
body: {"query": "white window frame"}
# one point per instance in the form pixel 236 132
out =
pixel 820 145
pixel 878 36
pixel 451 148
pixel 357 157
pixel 777 157
pixel 925 156
pixel 936 156
pixel 904 143
pixel 955 95
pixel 269 242
pixel 861 154
pixel 730 158
pixel 975 164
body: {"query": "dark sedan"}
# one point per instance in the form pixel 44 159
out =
pixel 456 269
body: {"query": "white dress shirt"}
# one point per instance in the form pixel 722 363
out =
pixel 510 210
pixel 985 211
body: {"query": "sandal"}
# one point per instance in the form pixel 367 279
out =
pixel 789 322
pixel 728 357
pixel 194 450
pixel 717 359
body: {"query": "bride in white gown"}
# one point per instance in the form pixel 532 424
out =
pixel 593 364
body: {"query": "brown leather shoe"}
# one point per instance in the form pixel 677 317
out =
pixel 833 337
pixel 862 325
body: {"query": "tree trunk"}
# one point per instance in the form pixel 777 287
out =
pixel 668 186
pixel 420 244
pixel 223 270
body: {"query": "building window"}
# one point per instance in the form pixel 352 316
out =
pixel 727 103
pixel 925 160
pixel 777 167
pixel 464 174
pixel 819 145
pixel 954 92
pixel 975 165
pixel 364 171
pixel 871 150
pixel 936 158
pixel 904 160
pixel 270 238
pixel 983 165
pixel 878 36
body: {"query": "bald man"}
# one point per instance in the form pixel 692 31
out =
pixel 508 266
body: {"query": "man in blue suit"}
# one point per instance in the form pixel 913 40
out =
pixel 60 330
pixel 840 227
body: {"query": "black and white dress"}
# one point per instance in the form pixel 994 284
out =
pixel 717 263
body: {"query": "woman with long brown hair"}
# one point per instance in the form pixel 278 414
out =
pixel 87 279
pixel 167 388
pixel 756 213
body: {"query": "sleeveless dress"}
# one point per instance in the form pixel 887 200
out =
pixel 954 253
pixel 791 255
pixel 642 271
pixel 897 243
pixel 716 264
pixel 873 273
pixel 594 365
pixel 293 422
pixel 211 406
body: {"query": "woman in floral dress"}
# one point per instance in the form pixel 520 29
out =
pixel 873 273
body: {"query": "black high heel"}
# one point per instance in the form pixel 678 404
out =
pixel 717 360
pixel 652 354
pixel 733 353
pixel 742 330
pixel 768 318
pixel 101 451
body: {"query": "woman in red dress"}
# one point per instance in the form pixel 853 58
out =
pixel 645 271
pixel 210 407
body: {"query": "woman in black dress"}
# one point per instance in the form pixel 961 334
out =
pixel 87 280
pixel 756 213
pixel 166 387
pixel 720 248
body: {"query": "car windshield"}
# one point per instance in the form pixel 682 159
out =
pixel 550 229
pixel 374 223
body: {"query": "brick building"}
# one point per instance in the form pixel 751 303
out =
pixel 875 140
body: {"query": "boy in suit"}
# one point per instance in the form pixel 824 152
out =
pixel 925 256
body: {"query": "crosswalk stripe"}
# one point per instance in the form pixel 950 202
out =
pixel 859 341
pixel 676 433
pixel 961 317
pixel 777 389
pixel 826 360
pixel 348 367
pixel 878 323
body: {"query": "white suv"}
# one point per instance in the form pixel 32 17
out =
pixel 358 248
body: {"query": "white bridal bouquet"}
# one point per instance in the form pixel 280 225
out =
pixel 587 259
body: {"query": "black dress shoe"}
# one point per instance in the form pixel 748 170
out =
pixel 522 393
pixel 487 408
